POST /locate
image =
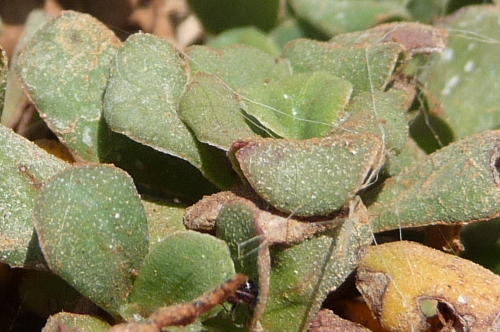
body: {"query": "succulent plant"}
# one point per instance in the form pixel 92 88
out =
pixel 300 155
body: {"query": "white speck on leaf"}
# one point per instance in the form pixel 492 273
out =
pixel 450 84
pixel 447 54
pixel 86 138
pixel 469 66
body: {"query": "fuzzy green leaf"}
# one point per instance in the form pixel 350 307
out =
pixel 302 275
pixel 93 231
pixel 237 65
pixel 180 268
pixel 250 36
pixel 65 69
pixel 380 113
pixel 300 106
pixel 23 169
pixel 237 227
pixel 212 112
pixel 142 98
pixel 368 67
pixel 334 17
pixel 309 177
pixel 466 74
pixel 456 184
pixel 143 94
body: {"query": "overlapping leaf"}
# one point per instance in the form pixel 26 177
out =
pixel 459 183
pixel 93 231
pixel 24 167
pixel 308 177
pixel 466 74
pixel 65 69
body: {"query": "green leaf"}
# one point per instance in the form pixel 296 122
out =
pixel 142 98
pixel 466 74
pixel 219 15
pixel 299 106
pixel 427 10
pixel 292 28
pixel 212 112
pixel 143 94
pixel 309 177
pixel 303 274
pixel 368 67
pixel 23 169
pixel 380 113
pixel 180 268
pixel 334 17
pixel 93 231
pixel 66 321
pixel 456 184
pixel 65 69
pixel 236 225
pixel 250 36
pixel 237 65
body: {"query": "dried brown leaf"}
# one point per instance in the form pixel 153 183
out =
pixel 397 279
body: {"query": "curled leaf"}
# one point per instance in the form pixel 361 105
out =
pixel 24 167
pixel 93 231
pixel 143 94
pixel 308 177
pixel 65 68
pixel 367 67
pixel 398 280
pixel 185 313
pixel 459 183
pixel 248 35
pixel 415 37
pixel 380 113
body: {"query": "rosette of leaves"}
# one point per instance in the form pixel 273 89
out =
pixel 306 134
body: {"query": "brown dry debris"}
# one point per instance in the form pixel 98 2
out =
pixel 276 227
pixel 327 321
pixel 415 37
